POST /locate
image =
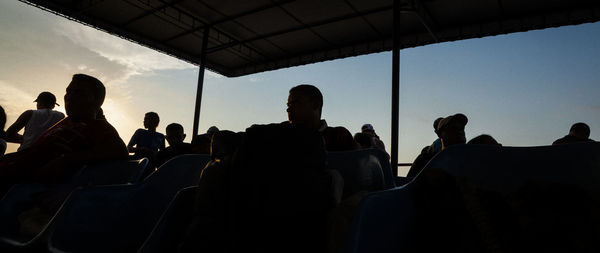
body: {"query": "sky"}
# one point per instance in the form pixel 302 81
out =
pixel 524 89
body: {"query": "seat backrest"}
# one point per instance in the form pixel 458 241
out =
pixel 120 218
pixel 476 198
pixel 362 170
pixel 173 223
pixel 110 172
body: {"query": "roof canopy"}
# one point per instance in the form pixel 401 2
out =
pixel 247 37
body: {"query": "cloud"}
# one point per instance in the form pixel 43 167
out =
pixel 138 59
pixel 254 79
pixel 14 101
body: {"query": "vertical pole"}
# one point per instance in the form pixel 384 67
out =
pixel 395 87
pixel 200 81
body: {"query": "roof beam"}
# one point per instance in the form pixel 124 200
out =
pixel 229 18
pixel 424 16
pixel 297 28
pixel 150 12
pixel 206 24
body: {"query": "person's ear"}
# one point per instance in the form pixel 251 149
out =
pixel 183 137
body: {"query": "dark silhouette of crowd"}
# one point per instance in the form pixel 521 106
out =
pixel 290 198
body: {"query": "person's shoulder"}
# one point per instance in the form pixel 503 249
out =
pixel 58 113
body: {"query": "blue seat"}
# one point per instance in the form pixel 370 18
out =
pixel 362 170
pixel 477 198
pixel 19 197
pixel 120 218
pixel 173 223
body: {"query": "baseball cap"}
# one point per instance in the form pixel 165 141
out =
pixel 46 98
pixel 459 119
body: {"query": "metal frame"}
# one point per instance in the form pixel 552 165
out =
pixel 200 81
pixel 395 88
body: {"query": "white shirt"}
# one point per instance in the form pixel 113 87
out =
pixel 40 121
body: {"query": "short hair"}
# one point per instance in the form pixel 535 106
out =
pixel 175 127
pixel 581 128
pixel 98 88
pixel 153 114
pixel 311 92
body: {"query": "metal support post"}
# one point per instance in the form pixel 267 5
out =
pixel 200 80
pixel 395 87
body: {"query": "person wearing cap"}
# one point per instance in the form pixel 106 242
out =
pixel 65 147
pixel 451 131
pixel 375 141
pixel 35 122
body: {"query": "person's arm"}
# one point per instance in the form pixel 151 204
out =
pixel 162 144
pixel 133 141
pixel 12 133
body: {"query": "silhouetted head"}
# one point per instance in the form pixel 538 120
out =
pixel 368 129
pixel 151 120
pixel 45 100
pixel 484 139
pixel 85 94
pixel 175 134
pixel 201 144
pixel 304 105
pixel 363 140
pixel 436 122
pixel 580 130
pixel 212 130
pixel 2 123
pixel 451 129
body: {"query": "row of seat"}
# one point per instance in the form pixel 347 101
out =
pixel 472 198
pixel 119 218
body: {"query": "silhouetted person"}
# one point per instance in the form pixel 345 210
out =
pixel 436 146
pixel 451 131
pixel 2 133
pixel 147 142
pixel 363 140
pixel 579 132
pixel 35 122
pixel 201 144
pixel 100 114
pixel 76 140
pixel 212 131
pixel 369 130
pixel 304 107
pixel 484 139
pixel 175 137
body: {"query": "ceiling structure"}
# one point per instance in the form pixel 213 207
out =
pixel 246 37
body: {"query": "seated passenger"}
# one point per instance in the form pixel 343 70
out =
pixel 147 143
pixel 35 122
pixel 201 144
pixel 451 131
pixel 484 139
pixel 76 140
pixel 175 137
pixel 369 130
pixel 579 132
pixel 363 141
pixel 436 146
pixel 304 107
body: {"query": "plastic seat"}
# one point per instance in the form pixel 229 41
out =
pixel 172 224
pixel 19 197
pixel 367 169
pixel 120 218
pixel 476 198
